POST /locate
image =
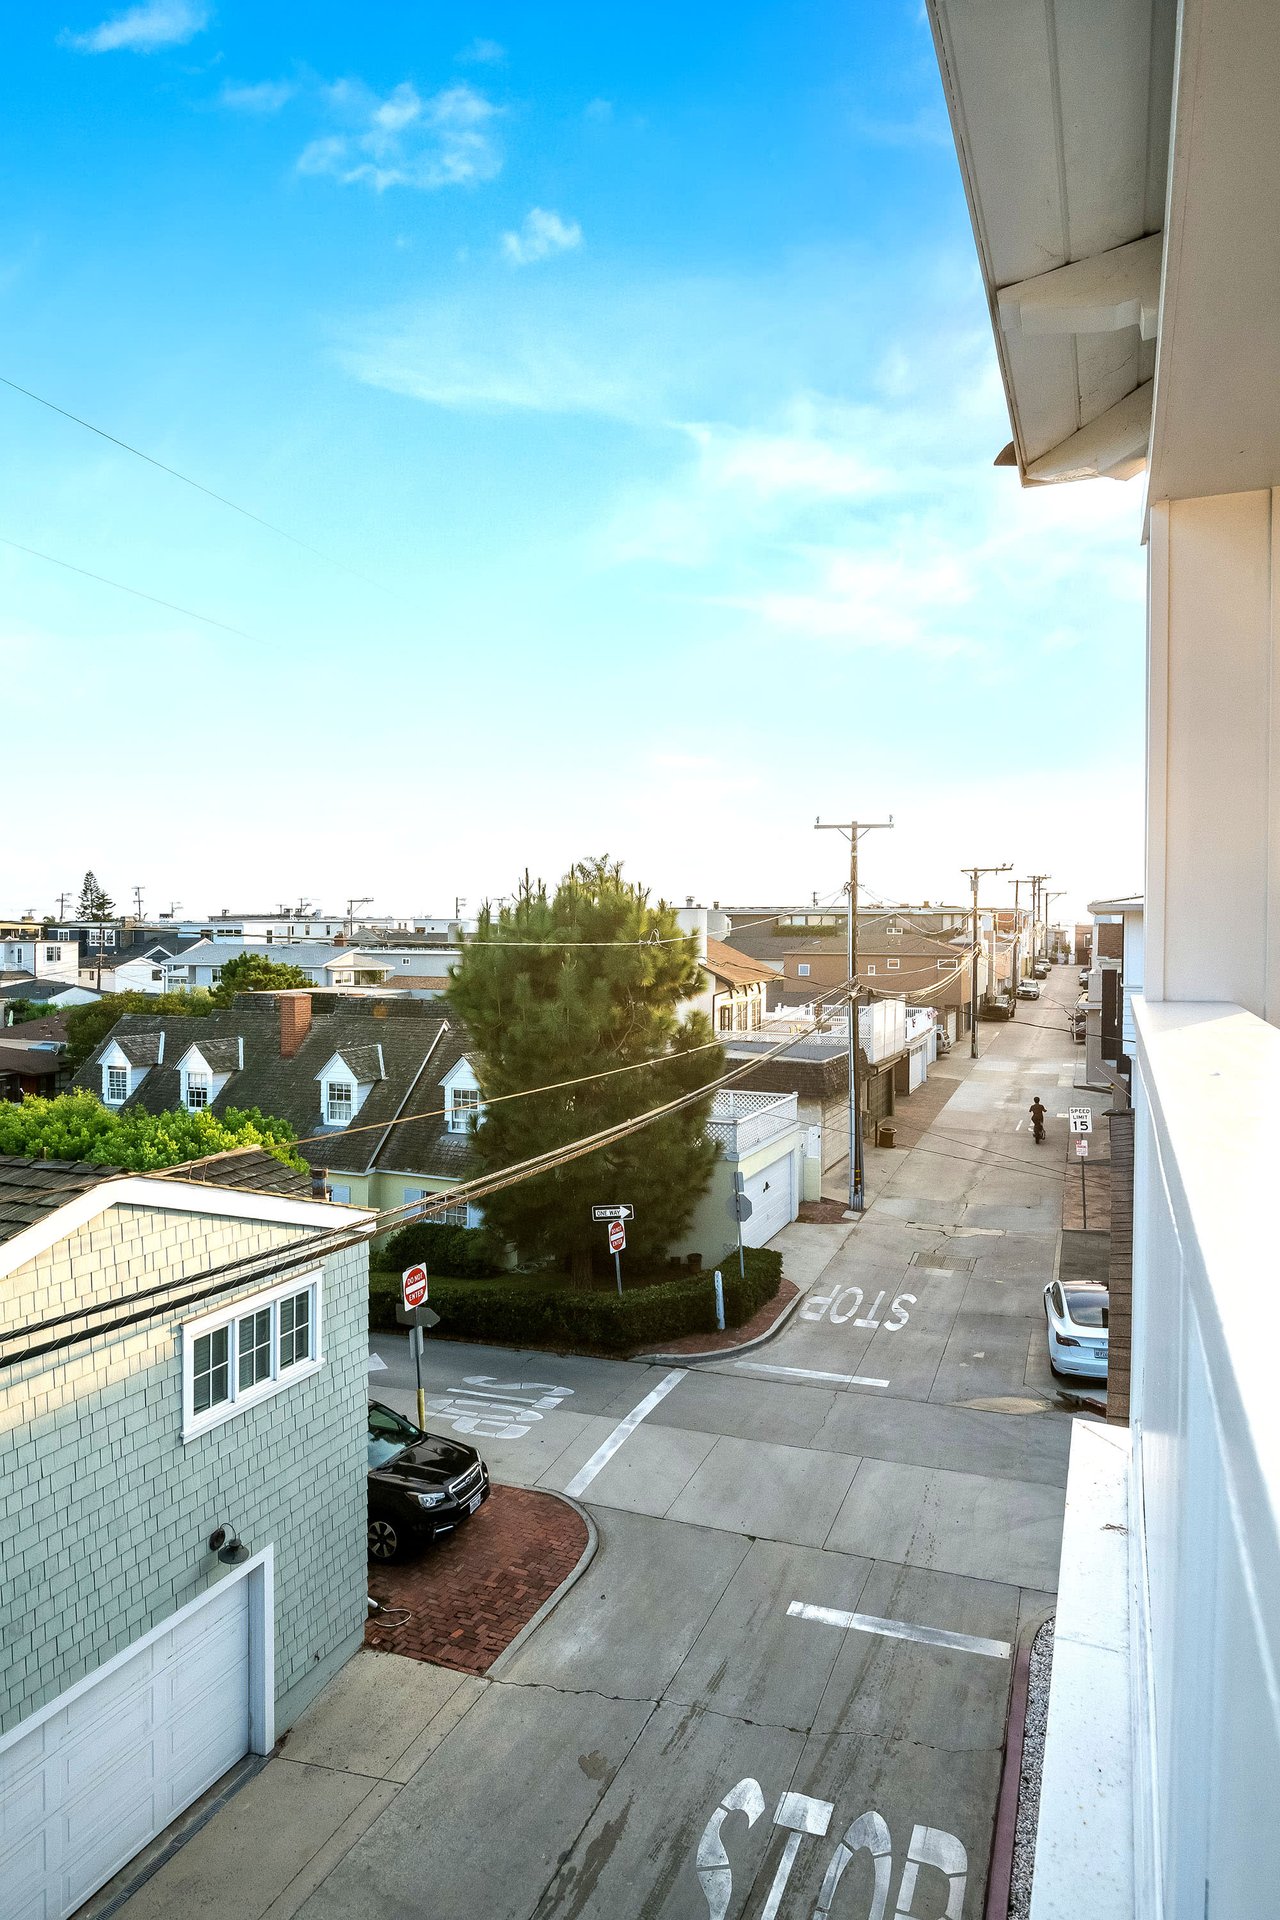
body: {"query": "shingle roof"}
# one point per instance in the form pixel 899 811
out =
pixel 139 1049
pixel 30 1190
pixel 222 1052
pixel 737 968
pixel 366 1063
pixel 34 1062
pixel 419 1041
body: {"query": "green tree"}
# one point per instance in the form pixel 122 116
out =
pixel 606 990
pixel 76 1126
pixel 95 903
pixel 20 1011
pixel 89 1024
pixel 255 973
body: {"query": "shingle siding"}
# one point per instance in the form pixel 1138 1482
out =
pixel 105 1512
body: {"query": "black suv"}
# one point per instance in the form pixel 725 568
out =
pixel 420 1485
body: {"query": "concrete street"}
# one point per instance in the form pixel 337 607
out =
pixel 780 1687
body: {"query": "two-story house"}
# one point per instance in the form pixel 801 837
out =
pixel 183 1388
pixel 381 1092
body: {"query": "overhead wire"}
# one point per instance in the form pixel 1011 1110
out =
pixel 186 479
pixel 188 613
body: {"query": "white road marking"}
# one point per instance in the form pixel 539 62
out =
pixel 811 1373
pixel 497 1409
pixel 605 1451
pixel 900 1630
pixel 377 1364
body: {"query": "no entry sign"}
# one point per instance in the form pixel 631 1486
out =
pixel 617 1236
pixel 413 1286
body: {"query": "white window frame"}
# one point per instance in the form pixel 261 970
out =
pixel 464 1103
pixel 278 1379
pixel 871 968
pixel 802 968
pixel 343 1118
pixel 202 1080
pixel 443 1220
pixel 107 1099
pixel 945 966
pixel 891 964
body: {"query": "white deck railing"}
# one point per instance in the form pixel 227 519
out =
pixel 741 1122
pixel 1205 1505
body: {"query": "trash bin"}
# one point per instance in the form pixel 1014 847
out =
pixel 884 1134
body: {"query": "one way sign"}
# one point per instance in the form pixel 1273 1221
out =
pixel 619 1212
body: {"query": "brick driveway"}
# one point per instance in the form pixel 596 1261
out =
pixel 468 1597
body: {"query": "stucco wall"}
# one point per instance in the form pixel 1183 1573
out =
pixel 105 1512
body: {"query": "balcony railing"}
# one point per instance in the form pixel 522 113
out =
pixel 741 1122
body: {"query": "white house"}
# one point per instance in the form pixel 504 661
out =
pixel 45 956
pixel 1122 168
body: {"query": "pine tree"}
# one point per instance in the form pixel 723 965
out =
pixel 95 902
pixel 606 990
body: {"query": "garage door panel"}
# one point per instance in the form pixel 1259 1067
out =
pixel 770 1194
pixel 93 1781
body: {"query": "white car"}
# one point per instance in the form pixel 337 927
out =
pixel 1028 989
pixel 1076 1314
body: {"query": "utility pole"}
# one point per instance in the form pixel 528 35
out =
pixel 853 831
pixel 137 901
pixel 1037 881
pixel 1057 894
pixel 975 874
pixel 62 905
pixel 1017 932
pixel 366 900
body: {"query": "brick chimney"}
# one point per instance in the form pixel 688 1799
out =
pixel 295 1022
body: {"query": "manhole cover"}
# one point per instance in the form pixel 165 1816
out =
pixel 941 1260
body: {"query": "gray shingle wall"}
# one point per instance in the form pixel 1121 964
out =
pixel 105 1513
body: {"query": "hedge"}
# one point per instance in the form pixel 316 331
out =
pixel 463 1251
pixel 515 1310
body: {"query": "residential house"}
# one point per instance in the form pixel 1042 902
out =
pixel 52 993
pixel 418 968
pixel 43 956
pixel 32 1066
pixel 892 961
pixel 763 1143
pixel 1122 170
pixel 381 1092
pixel 183 1540
pixel 143 964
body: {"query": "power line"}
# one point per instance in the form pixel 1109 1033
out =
pixel 187 481
pixel 102 580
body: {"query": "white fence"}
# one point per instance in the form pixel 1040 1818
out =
pixel 741 1122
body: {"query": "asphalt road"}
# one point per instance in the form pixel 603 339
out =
pixel 780 1689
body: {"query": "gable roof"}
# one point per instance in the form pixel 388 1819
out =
pixel 139 1049
pixel 415 1040
pixel 365 1062
pixel 31 1190
pixel 737 969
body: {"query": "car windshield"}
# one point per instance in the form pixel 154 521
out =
pixel 1087 1306
pixel 389 1435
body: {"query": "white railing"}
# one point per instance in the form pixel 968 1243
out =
pixel 1205 1506
pixel 741 1122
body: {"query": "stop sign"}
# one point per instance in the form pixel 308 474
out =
pixel 617 1236
pixel 413 1285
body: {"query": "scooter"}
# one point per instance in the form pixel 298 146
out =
pixel 1037 1128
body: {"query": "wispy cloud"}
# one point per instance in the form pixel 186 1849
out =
pixel 145 28
pixel 264 96
pixel 598 109
pixel 541 234
pixel 405 140
pixel 483 53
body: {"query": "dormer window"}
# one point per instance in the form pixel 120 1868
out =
pixel 339 1102
pixel 464 1108
pixel 116 1091
pixel 197 1092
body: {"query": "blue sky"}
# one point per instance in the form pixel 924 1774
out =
pixel 628 368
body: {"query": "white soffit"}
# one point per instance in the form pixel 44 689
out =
pixel 1060 114
pixel 1217 407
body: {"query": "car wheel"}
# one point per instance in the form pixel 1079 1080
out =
pixel 384 1541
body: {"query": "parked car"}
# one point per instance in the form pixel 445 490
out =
pixel 1079 1025
pixel 1028 989
pixel 1084 976
pixel 1041 970
pixel 943 1039
pixel 420 1485
pixel 1076 1314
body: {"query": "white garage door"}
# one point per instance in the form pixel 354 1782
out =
pixel 94 1780
pixel 772 1203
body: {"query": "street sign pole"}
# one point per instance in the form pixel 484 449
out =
pixel 617 1270
pixel 416 1341
pixel 413 1291
pixel 617 1241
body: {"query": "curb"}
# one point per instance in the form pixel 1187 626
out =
pixel 725 1353
pixel 553 1599
pixel 1000 1875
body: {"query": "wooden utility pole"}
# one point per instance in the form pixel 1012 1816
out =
pixel 853 831
pixel 975 874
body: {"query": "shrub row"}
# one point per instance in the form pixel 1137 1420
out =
pixel 466 1252
pixel 515 1309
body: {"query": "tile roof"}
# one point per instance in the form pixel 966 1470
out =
pixel 419 1041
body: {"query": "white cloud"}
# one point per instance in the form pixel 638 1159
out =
pixel 483 53
pixel 265 96
pixel 542 234
pixel 143 29
pixel 598 109
pixel 406 140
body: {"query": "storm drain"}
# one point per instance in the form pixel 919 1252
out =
pixel 941 1260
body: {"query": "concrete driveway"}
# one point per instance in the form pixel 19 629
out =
pixel 781 1685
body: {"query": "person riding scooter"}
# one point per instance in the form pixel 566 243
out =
pixel 1037 1119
